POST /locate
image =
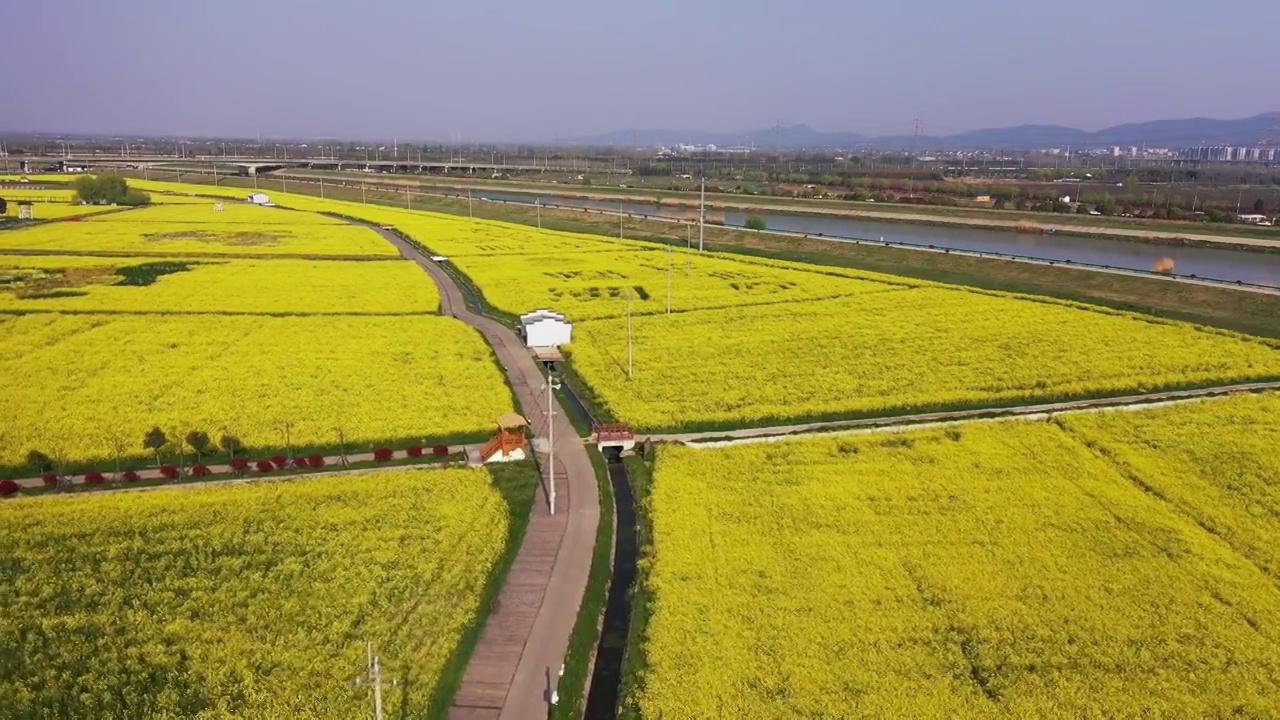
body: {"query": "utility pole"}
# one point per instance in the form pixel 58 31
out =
pixel 669 250
pixel 551 387
pixel 407 201
pixel 321 187
pixel 688 250
pixel 470 215
pixel 619 220
pixel 702 212
pixel 629 356
pixel 363 197
pixel 538 203
pixel 373 676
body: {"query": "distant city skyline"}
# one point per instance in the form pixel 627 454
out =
pixel 564 69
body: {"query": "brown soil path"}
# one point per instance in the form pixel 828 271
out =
pixel 524 642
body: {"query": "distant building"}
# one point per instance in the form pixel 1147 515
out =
pixel 258 198
pixel 1231 153
pixel 1252 219
pixel 545 328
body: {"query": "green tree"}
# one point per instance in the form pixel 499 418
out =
pixel 155 442
pixel 198 440
pixel 231 445
pixel 107 190
pixel 4 206
pixel 755 222
pixel 39 461
pixel 1260 206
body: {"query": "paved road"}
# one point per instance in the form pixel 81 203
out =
pixel 779 430
pixel 526 637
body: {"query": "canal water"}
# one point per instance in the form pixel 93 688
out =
pixel 1205 262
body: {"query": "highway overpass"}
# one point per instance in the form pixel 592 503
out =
pixel 252 166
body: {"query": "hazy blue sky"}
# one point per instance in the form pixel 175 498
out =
pixel 424 69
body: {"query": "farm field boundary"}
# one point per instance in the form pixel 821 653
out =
pixel 722 438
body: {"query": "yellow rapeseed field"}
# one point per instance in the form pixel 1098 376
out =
pixel 190 228
pixel 755 341
pixel 57 210
pixel 74 385
pixel 38 194
pixel 1217 462
pixel 893 352
pixel 278 285
pixel 275 350
pixel 253 600
pixel 988 570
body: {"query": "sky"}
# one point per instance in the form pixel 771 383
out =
pixel 546 70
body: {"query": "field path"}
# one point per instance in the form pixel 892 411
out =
pixel 713 438
pixel 526 637
pixel 332 462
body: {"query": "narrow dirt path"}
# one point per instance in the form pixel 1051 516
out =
pixel 330 461
pixel 723 437
pixel 526 637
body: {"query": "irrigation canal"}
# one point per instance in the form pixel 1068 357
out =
pixel 1203 262
pixel 606 679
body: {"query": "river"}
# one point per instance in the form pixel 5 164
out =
pixel 1204 262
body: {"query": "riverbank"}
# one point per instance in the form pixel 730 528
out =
pixel 1172 233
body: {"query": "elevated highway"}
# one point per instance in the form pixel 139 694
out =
pixel 252 166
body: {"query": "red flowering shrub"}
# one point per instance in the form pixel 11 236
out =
pixel 265 466
pixel 413 451
pixel 440 450
pixel 94 478
pixel 239 464
pixel 8 487
pixel 383 454
pixel 316 460
pixel 300 462
pixel 50 478
pixel 169 471
pixel 280 460
pixel 130 476
pixel 200 470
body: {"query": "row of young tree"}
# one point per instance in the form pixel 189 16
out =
pixel 197 445
pixel 158 442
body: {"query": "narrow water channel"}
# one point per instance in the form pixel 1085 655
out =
pixel 606 679
pixel 1205 262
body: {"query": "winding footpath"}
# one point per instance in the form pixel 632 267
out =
pixel 524 641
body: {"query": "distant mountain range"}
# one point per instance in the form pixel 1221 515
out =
pixel 1157 133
